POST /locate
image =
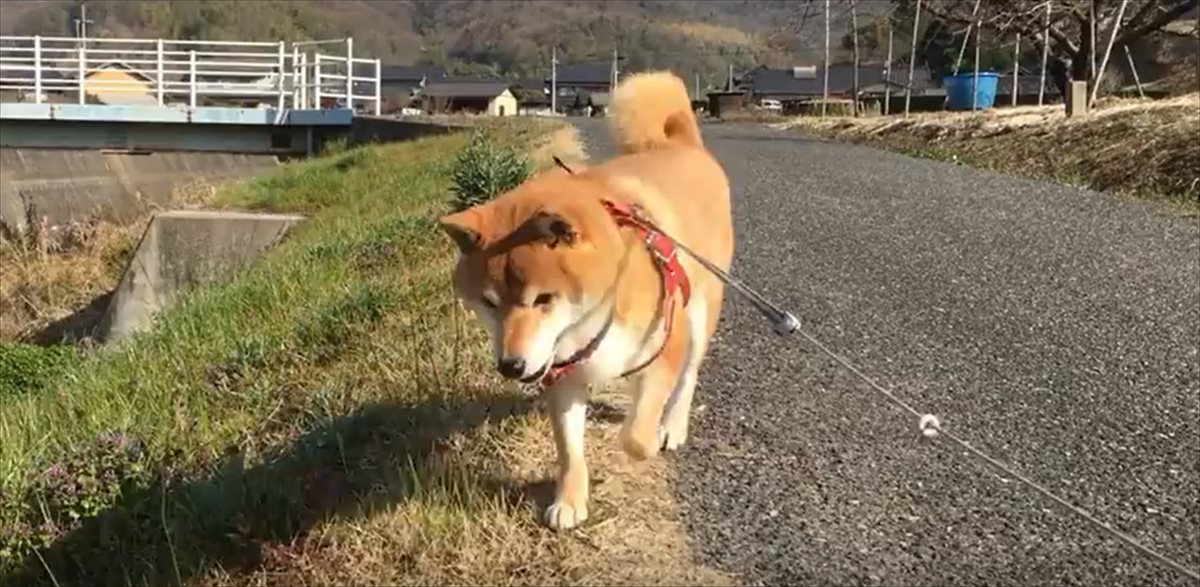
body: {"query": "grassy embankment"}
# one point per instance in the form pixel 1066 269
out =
pixel 326 416
pixel 1130 147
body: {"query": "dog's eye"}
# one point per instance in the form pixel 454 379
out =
pixel 543 299
pixel 489 302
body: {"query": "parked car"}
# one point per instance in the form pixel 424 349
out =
pixel 771 105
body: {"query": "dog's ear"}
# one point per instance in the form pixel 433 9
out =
pixel 555 229
pixel 465 229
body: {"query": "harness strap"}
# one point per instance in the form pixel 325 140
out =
pixel 666 260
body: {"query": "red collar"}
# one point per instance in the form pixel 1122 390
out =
pixel 666 260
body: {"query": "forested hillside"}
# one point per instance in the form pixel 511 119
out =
pixel 499 37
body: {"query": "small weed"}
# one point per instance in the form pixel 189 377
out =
pixel 483 170
pixel 72 490
pixel 335 147
pixel 27 369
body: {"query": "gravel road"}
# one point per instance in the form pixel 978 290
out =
pixel 1055 328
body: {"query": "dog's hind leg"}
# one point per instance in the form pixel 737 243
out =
pixel 640 435
pixel 568 417
pixel 700 325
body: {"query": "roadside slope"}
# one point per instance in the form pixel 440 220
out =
pixel 328 415
pixel 1126 146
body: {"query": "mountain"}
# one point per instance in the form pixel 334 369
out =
pixel 498 37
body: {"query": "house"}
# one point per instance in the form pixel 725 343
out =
pixel 804 83
pixel 228 89
pixel 725 103
pixel 587 77
pixel 589 103
pixel 533 96
pixel 398 84
pixel 494 98
pixel 116 82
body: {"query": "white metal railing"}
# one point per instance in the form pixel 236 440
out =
pixel 171 72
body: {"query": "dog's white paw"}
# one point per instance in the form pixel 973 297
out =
pixel 561 516
pixel 673 433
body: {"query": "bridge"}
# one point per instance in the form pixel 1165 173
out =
pixel 106 127
pixel 180 95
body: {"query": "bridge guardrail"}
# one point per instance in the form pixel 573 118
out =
pixel 168 72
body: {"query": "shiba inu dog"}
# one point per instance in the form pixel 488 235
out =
pixel 572 277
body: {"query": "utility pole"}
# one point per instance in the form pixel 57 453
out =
pixel 912 60
pixel 1045 54
pixel 887 86
pixel 825 90
pixel 81 23
pixel 696 91
pixel 729 80
pixel 854 31
pixel 554 81
pixel 613 83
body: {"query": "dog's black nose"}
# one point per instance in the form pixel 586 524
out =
pixel 511 367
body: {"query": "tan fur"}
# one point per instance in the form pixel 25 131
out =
pixel 543 265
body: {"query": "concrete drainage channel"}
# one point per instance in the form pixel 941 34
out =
pixel 181 250
pixel 44 189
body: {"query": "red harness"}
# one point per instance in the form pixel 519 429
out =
pixel 666 260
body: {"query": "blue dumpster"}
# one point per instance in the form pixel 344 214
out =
pixel 958 90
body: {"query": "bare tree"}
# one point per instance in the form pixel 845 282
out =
pixel 1071 42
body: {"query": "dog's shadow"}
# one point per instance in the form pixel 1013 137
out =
pixel 172 532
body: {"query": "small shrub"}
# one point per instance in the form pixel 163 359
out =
pixel 483 170
pixel 27 368
pixel 335 147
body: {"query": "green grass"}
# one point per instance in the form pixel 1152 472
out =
pixel 27 369
pixel 259 406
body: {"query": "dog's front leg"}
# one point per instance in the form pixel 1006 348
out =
pixel 568 415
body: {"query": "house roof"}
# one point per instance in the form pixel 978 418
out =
pixel 466 89
pixel 533 84
pixel 122 65
pixel 810 80
pixel 584 73
pixel 400 73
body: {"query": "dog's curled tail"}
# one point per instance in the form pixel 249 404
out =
pixel 652 110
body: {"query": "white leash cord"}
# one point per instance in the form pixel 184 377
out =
pixel 785 323
pixel 930 426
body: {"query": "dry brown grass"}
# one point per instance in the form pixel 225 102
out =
pixel 46 280
pixel 1096 150
pixel 479 528
pixel 54 272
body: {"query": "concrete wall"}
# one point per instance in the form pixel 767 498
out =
pixel 368 129
pixel 181 250
pixel 67 185
pixel 153 136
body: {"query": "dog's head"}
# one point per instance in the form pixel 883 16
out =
pixel 536 265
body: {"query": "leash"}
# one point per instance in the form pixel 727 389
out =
pixel 785 323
